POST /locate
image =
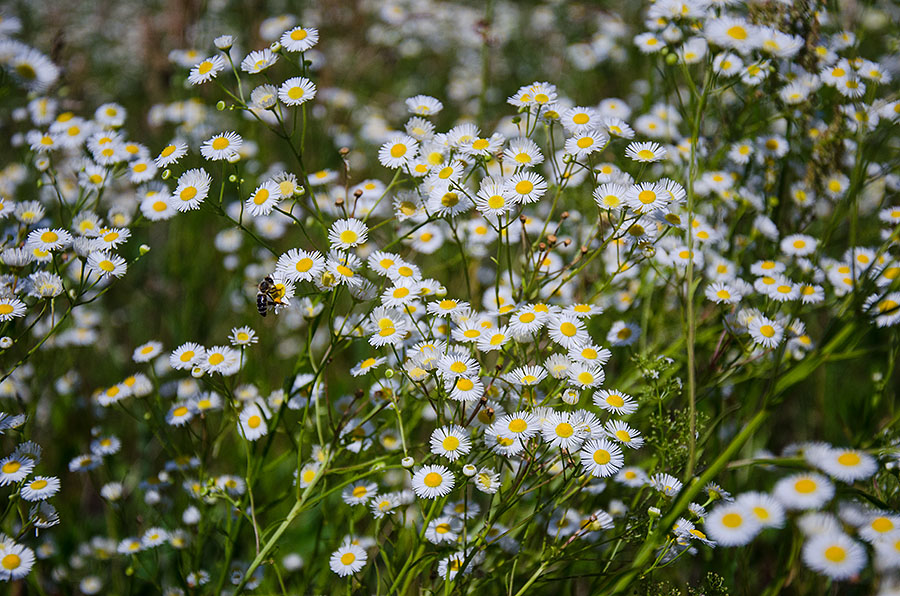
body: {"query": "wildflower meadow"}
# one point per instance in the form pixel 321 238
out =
pixel 439 297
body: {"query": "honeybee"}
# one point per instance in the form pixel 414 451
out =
pixel 270 295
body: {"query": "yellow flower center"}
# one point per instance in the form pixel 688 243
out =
pixel 849 458
pixel 732 520
pixel 261 196
pixel 737 32
pixel 564 430
pixel 602 457
pixel 805 486
pixel 646 196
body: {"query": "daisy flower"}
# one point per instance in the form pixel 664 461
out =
pixel 451 442
pixel 764 507
pixel 521 425
pixel 526 375
pixel 492 197
pixel 47 239
pixel 586 142
pixel 622 432
pixel 493 339
pixel 647 197
pixel 567 331
pixel 423 105
pixel 464 388
pixel 264 199
pixel 443 529
pixel 106 264
pixel 180 414
pixel 847 465
pixel 398 151
pixel 384 504
pixel 523 152
pixel 610 196
pixel 623 334
pixel 259 60
pixel 186 355
pixel 158 207
pixel 170 154
pixel 615 401
pixel 110 238
pixel 252 423
pixel 359 493
pixel 299 265
pixel 347 233
pixel 803 491
pixel 560 431
pixel 766 332
pixel 147 352
pixel 296 91
pixel 206 70
pixel 432 481
pixel 667 484
pixel 14 468
pixel 723 293
pixel 584 375
pixel 525 187
pixel 645 152
pixel 299 39
pixel 348 559
pixel 601 458
pixel 648 43
pixel 11 308
pixel 879 527
pixel 580 119
pixel 733 33
pixel 220 359
pixel 192 188
pixel 220 146
pixel 731 524
pixel 835 555
pixel 242 336
pixel 16 560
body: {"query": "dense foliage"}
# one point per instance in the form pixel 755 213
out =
pixel 427 297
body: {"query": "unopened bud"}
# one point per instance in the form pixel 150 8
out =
pixel 220 105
